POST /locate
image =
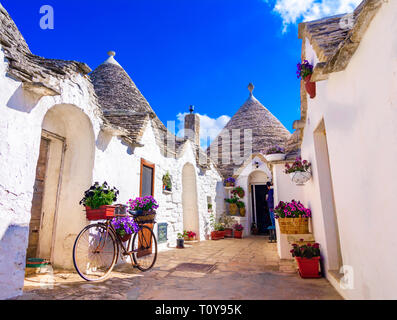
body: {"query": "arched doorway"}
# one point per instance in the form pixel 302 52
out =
pixel 260 212
pixel 64 172
pixel 189 200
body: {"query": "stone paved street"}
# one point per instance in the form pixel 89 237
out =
pixel 247 269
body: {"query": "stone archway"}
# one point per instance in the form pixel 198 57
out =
pixel 189 200
pixel 63 173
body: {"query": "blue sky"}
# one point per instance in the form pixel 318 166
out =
pixel 182 52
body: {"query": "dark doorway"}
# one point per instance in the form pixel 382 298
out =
pixel 261 210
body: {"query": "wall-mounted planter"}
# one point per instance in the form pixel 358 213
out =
pixel 310 87
pixel 275 157
pixel 300 178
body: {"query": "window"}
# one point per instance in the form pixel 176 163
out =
pixel 147 178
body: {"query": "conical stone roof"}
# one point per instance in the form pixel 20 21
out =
pixel 266 129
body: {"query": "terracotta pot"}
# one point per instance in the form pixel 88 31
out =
pixel 233 209
pixel 102 213
pixel 238 234
pixel 228 233
pixel 222 234
pixel 215 235
pixel 126 238
pixel 242 212
pixel 310 87
pixel 309 268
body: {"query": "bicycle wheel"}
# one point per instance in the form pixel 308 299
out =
pixel 144 246
pixel 95 252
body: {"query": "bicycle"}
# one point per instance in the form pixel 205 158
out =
pixel 97 248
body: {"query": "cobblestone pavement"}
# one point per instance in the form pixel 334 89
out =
pixel 247 269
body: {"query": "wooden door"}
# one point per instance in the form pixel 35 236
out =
pixel 37 202
pixel 147 189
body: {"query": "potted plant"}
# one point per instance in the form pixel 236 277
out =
pixel 210 207
pixel 218 227
pixel 308 258
pixel 305 71
pixel 275 153
pixel 238 231
pixel 254 229
pixel 180 242
pixel 228 223
pixel 189 235
pixel 293 217
pixel 167 183
pixel 238 192
pixel 145 208
pixel 299 171
pixel 241 207
pixel 125 227
pixel 98 201
pixel 230 182
pixel 233 209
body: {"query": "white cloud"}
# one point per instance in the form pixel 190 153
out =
pixel 209 127
pixel 293 11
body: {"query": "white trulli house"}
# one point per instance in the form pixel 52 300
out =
pixel 348 133
pixel 62 129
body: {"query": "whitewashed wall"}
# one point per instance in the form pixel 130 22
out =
pixel 108 158
pixel 359 110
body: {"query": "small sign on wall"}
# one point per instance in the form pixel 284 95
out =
pixel 162 232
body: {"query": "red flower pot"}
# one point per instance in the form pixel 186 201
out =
pixel 222 234
pixel 310 87
pixel 238 234
pixel 102 213
pixel 228 233
pixel 215 235
pixel 309 268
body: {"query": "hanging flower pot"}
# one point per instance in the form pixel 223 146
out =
pixel 242 212
pixel 300 178
pixel 233 209
pixel 310 87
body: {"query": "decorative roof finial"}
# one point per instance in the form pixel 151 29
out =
pixel 251 88
pixel 191 109
pixel 111 53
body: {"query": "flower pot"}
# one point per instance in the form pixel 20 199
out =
pixel 102 213
pixel 180 243
pixel 294 225
pixel 228 233
pixel 126 237
pixel 275 157
pixel 309 268
pixel 242 212
pixel 222 234
pixel 310 87
pixel 300 177
pixel 215 235
pixel 233 209
pixel 238 234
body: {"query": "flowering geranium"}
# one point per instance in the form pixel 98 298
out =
pixel 147 203
pixel 291 209
pixel 275 150
pixel 304 69
pixel 307 251
pixel 238 191
pixel 125 226
pixel 238 227
pixel 189 234
pixel 298 165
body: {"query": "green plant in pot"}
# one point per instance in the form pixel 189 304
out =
pixel 233 208
pixel 98 201
pixel 241 207
pixel 180 241
pixel 218 227
pixel 167 183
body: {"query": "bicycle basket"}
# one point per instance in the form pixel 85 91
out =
pixel 142 217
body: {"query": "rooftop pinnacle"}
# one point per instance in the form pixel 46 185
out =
pixel 251 88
